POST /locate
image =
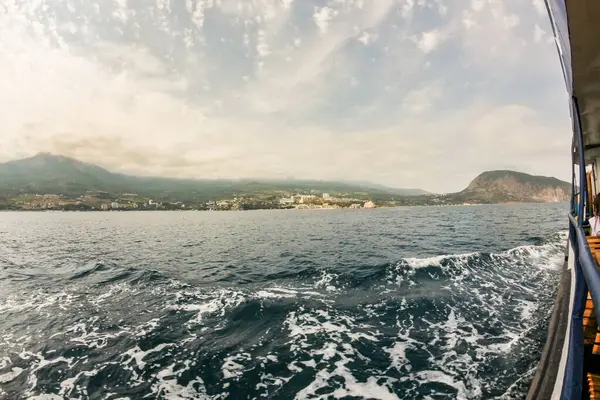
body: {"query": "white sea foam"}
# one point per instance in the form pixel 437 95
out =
pixel 271 294
pixel 167 387
pixel 306 324
pixel 4 362
pixel 455 370
pixel 39 301
pixel 93 338
pixel 67 386
pixel 341 331
pixel 284 290
pixel 203 303
pixel 272 358
pixel 268 380
pixel 425 262
pixel 9 376
pixel 485 287
pixel 438 376
pixel 351 387
pixel 285 293
pixel 119 289
pixel 542 256
pixel 326 281
pixel 326 341
pixel 138 354
pixel 38 361
pixel 527 308
pixel 397 352
pixel 146 328
pixel 231 367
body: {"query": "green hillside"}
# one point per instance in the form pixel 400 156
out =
pixel 51 174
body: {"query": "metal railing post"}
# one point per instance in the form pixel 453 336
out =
pixel 581 152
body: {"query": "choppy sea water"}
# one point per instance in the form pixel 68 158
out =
pixel 403 303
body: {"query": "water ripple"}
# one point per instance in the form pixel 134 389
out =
pixel 388 304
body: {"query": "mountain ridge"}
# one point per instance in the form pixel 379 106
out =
pixel 506 186
pixel 49 173
pixel 56 174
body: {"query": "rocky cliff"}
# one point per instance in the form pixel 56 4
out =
pixel 511 186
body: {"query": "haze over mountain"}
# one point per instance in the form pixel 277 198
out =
pixel 403 93
pixel 56 174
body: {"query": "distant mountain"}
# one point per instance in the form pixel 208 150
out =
pixel 54 174
pixel 510 186
pixel 47 173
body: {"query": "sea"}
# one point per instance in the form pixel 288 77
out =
pixel 390 303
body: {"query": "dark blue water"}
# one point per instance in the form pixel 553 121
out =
pixel 404 303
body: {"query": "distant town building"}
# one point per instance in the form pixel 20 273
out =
pixel 104 206
pixel 326 196
pixel 305 197
pixel 114 204
pixel 369 204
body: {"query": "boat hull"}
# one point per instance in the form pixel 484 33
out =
pixel 547 382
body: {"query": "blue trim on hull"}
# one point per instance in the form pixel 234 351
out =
pixel 573 378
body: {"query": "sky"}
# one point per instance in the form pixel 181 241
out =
pixel 407 93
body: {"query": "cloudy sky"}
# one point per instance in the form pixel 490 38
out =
pixel 408 93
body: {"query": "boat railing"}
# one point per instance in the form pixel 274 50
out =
pixel 586 276
pixel 585 260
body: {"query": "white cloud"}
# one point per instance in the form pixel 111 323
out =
pixel 322 17
pixel 429 41
pixel 265 94
pixel 366 38
pixel 197 8
pixel 477 5
pixel 491 37
pixel 121 11
pixel 407 7
pixel 500 131
pixel 262 48
pixel 510 21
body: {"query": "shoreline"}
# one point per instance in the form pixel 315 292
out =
pixel 284 209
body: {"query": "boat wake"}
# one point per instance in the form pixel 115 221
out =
pixel 467 326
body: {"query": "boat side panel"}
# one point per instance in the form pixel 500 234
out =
pixel 546 375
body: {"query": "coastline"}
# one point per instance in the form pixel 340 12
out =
pixel 510 203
